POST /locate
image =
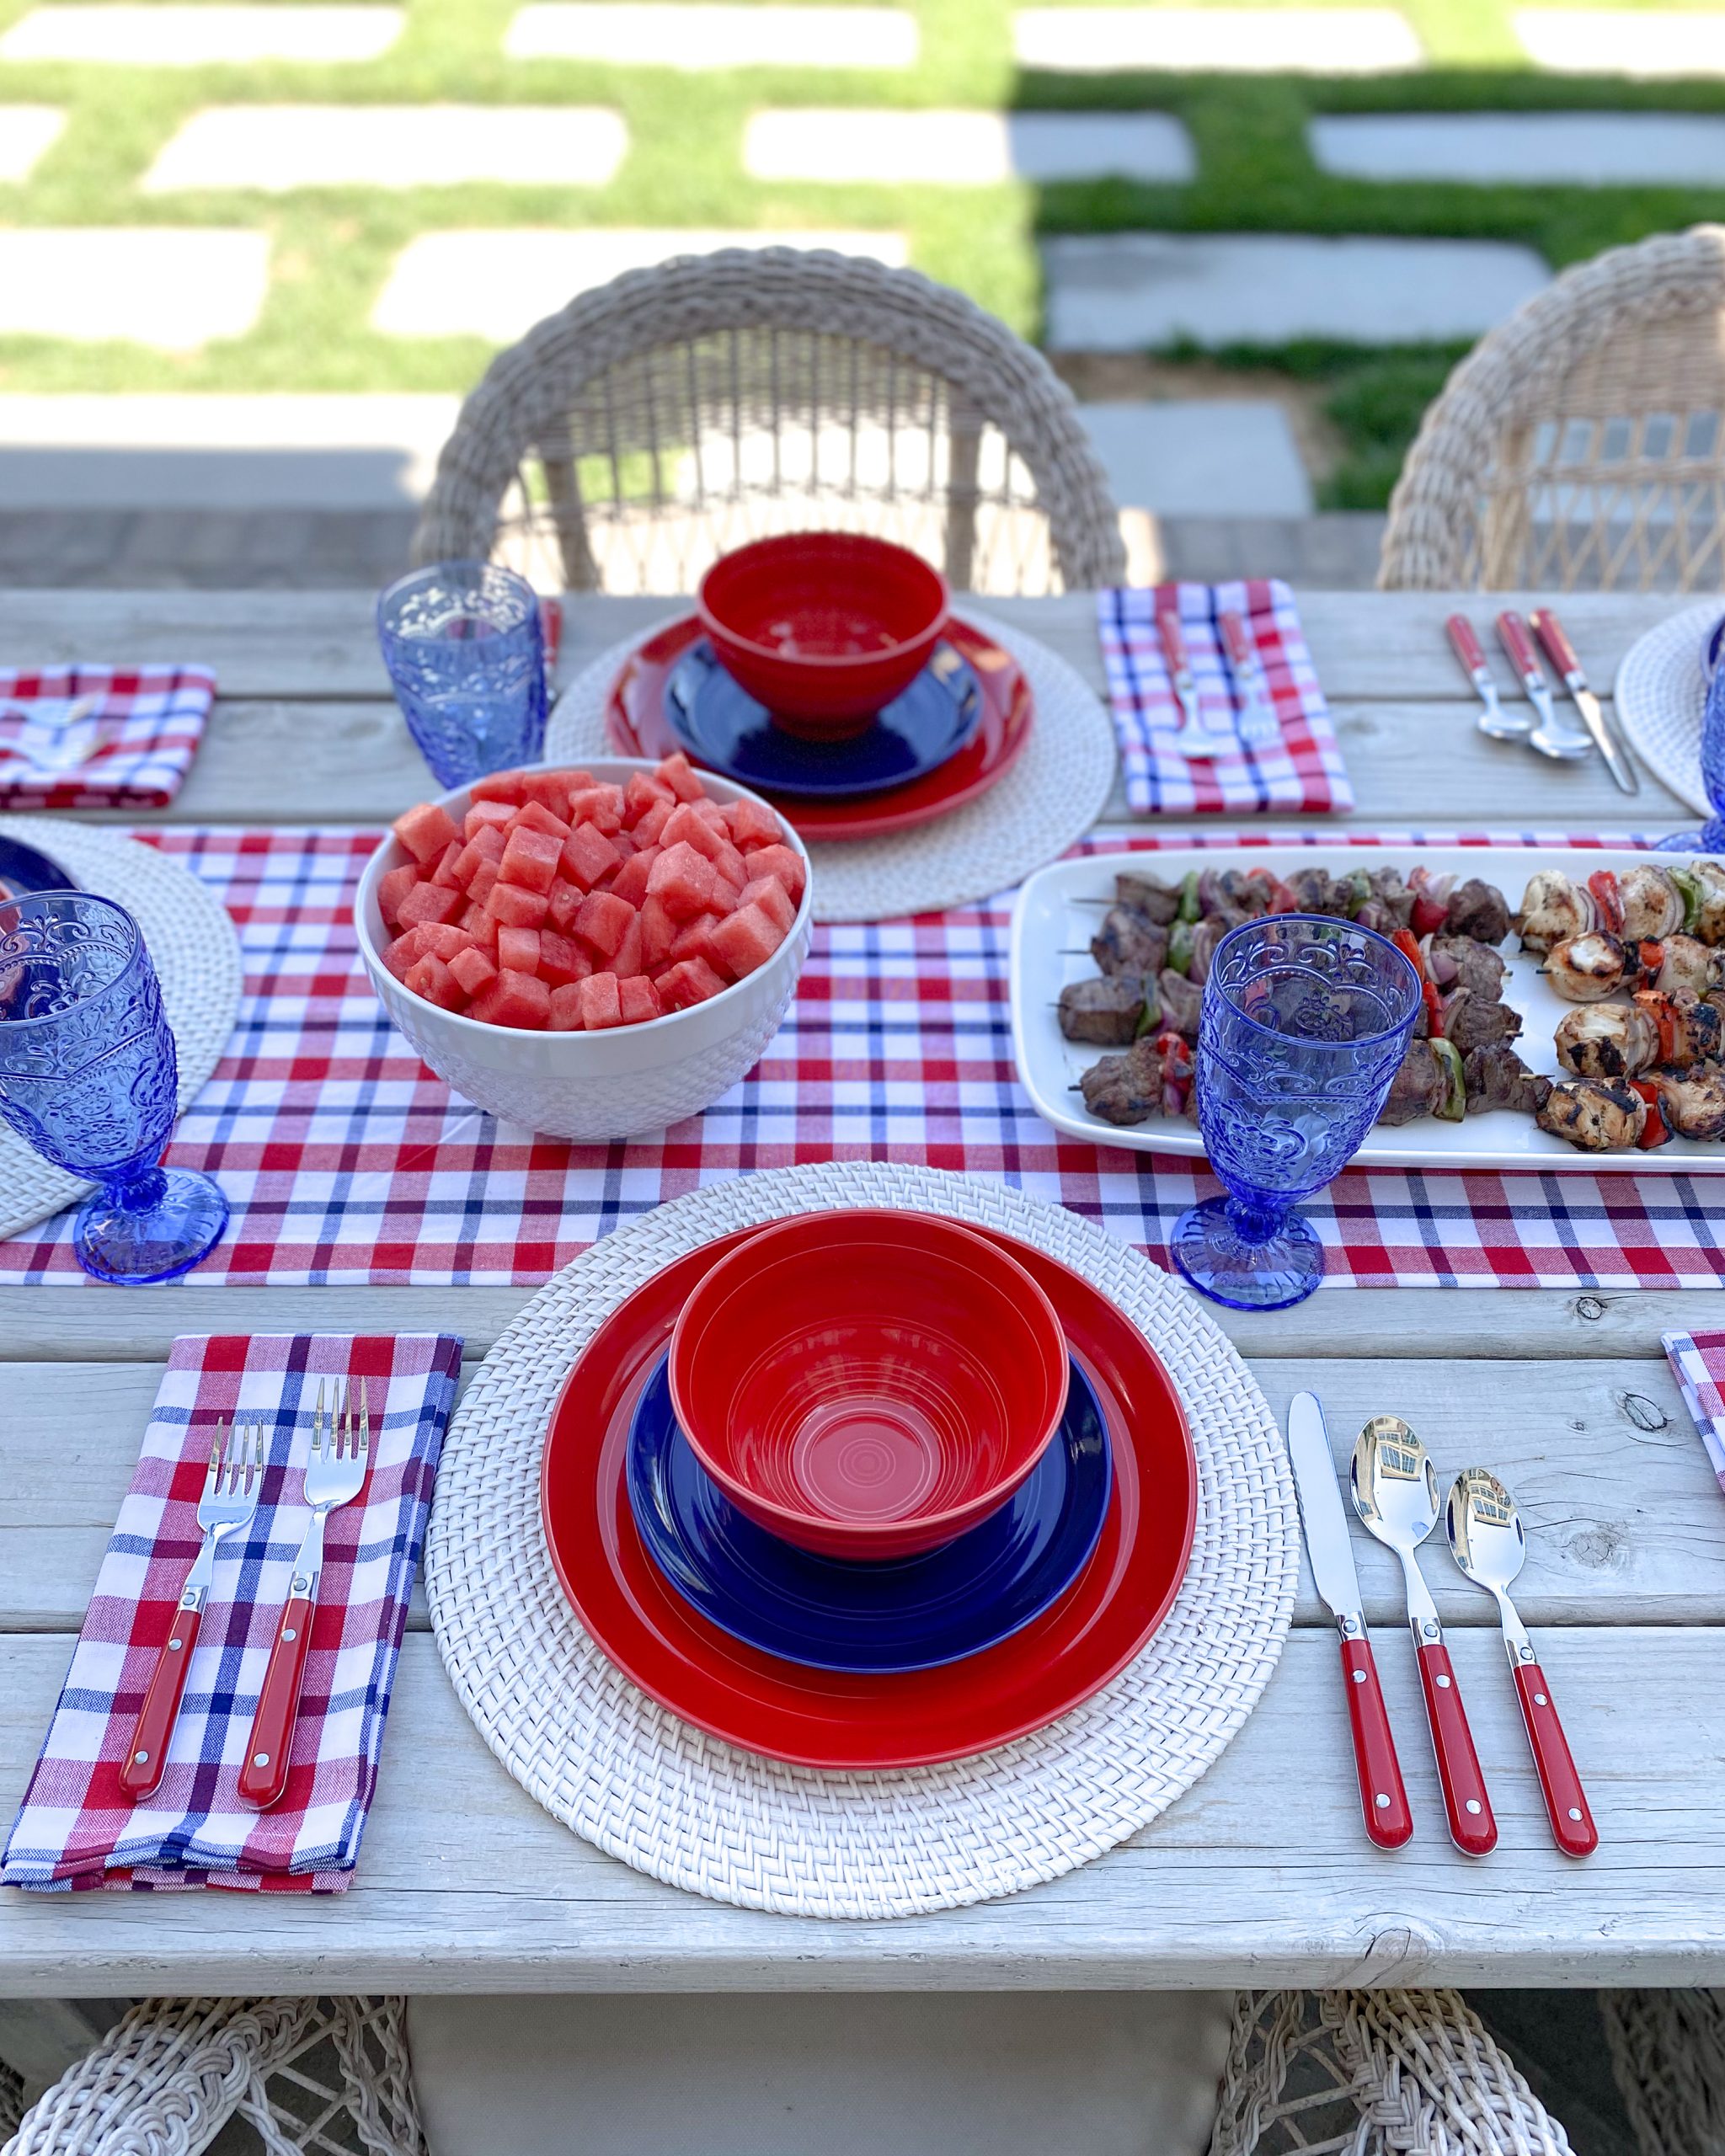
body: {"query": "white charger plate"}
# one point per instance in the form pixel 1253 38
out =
pixel 1660 690
pixel 1052 927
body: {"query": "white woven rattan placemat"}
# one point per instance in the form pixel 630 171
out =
pixel 685 1808
pixel 195 952
pixel 1659 693
pixel 1046 802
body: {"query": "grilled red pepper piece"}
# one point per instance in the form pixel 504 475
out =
pixel 1650 957
pixel 1604 886
pixel 1407 944
pixel 1655 1131
pixel 1666 1017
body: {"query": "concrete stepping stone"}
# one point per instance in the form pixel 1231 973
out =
pixel 964 149
pixel 333 453
pixel 275 147
pixel 1125 291
pixel 1648 42
pixel 167 35
pixel 497 285
pixel 174 290
pixel 697 34
pixel 27 133
pixel 1213 457
pixel 1229 41
pixel 1567 149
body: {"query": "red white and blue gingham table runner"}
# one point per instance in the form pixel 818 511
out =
pixel 76 1828
pixel 1698 1361
pixel 348 1162
pixel 143 733
pixel 1301 773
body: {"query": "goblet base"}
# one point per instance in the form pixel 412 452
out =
pixel 1246 1273
pixel 159 1241
pixel 1710 839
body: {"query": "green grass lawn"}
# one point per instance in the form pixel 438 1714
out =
pixel 333 248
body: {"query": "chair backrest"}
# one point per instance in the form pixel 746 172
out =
pixel 1581 445
pixel 627 441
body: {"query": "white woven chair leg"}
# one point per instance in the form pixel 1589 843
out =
pixel 169 2076
pixel 1286 2087
pixel 1667 2053
pixel 371 2038
pixel 1442 2086
pixel 11 2099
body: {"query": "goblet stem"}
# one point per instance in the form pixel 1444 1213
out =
pixel 137 1187
pixel 1256 1224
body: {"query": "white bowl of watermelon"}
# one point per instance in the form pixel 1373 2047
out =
pixel 593 954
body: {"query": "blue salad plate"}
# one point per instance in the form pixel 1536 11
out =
pixel 911 1613
pixel 722 725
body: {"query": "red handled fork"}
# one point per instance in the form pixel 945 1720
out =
pixel 335 1473
pixel 231 1482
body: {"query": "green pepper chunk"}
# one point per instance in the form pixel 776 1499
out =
pixel 1454 1105
pixel 1150 1016
pixel 1180 946
pixel 1361 884
pixel 1690 884
pixel 1187 908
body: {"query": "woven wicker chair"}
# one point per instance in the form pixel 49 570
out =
pixel 1328 2073
pixel 1581 445
pixel 627 442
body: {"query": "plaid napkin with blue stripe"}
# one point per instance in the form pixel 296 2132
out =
pixel 76 1828
pixel 1698 1361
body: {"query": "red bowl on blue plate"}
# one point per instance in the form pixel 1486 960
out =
pixel 822 628
pixel 868 1384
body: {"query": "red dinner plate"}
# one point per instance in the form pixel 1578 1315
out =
pixel 837 1719
pixel 635 720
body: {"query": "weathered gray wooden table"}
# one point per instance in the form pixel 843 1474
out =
pixel 1260 1874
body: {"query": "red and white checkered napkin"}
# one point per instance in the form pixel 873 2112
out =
pixel 1302 771
pixel 142 733
pixel 76 1828
pixel 1698 1359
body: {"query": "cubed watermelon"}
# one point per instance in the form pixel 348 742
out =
pixel 752 824
pixel 785 863
pixel 599 805
pixel 517 950
pixel 430 978
pixel 445 938
pixel 509 787
pixel 693 939
pixel 771 897
pixel 481 926
pixel 748 939
pixel 683 880
pixel 430 902
pixel 473 970
pixel 588 856
pixel 649 826
pixel 444 873
pixel 392 887
pixel 630 880
pixel 726 897
pixel 514 999
pixel 530 859
pixel 511 907
pixel 483 882
pixel 685 822
pixel 399 956
pixel 678 774
pixel 485 845
pixel 561 959
pixel 565 903
pixel 565 1011
pixel 550 790
pixel 639 998
pixel 537 817
pixel 487 816
pixel 658 932
pixel 602 921
pixel 425 832
pixel 692 982
pixel 627 958
pixel 600 1005
pixel 640 794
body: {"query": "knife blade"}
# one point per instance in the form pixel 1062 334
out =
pixel 1383 1801
pixel 1561 654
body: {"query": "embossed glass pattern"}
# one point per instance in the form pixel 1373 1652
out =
pixel 1305 1022
pixel 88 1077
pixel 466 654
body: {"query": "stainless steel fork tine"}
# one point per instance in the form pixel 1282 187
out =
pixel 344 1443
pixel 365 1418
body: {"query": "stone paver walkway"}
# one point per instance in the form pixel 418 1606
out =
pixel 964 149
pixel 497 285
pixel 168 34
pixel 282 147
pixel 1651 43
pixel 1231 40
pixel 172 288
pixel 1575 149
pixel 27 133
pixel 1216 457
pixel 1126 291
pixel 703 34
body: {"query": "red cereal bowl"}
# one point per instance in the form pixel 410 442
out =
pixel 822 628
pixel 868 1384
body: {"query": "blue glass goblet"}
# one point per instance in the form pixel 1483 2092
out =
pixel 89 1078
pixel 1711 837
pixel 1304 1025
pixel 466 653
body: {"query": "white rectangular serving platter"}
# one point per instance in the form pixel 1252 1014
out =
pixel 1052 926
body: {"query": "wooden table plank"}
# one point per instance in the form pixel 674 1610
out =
pixel 1262 1869
pixel 1596 1452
